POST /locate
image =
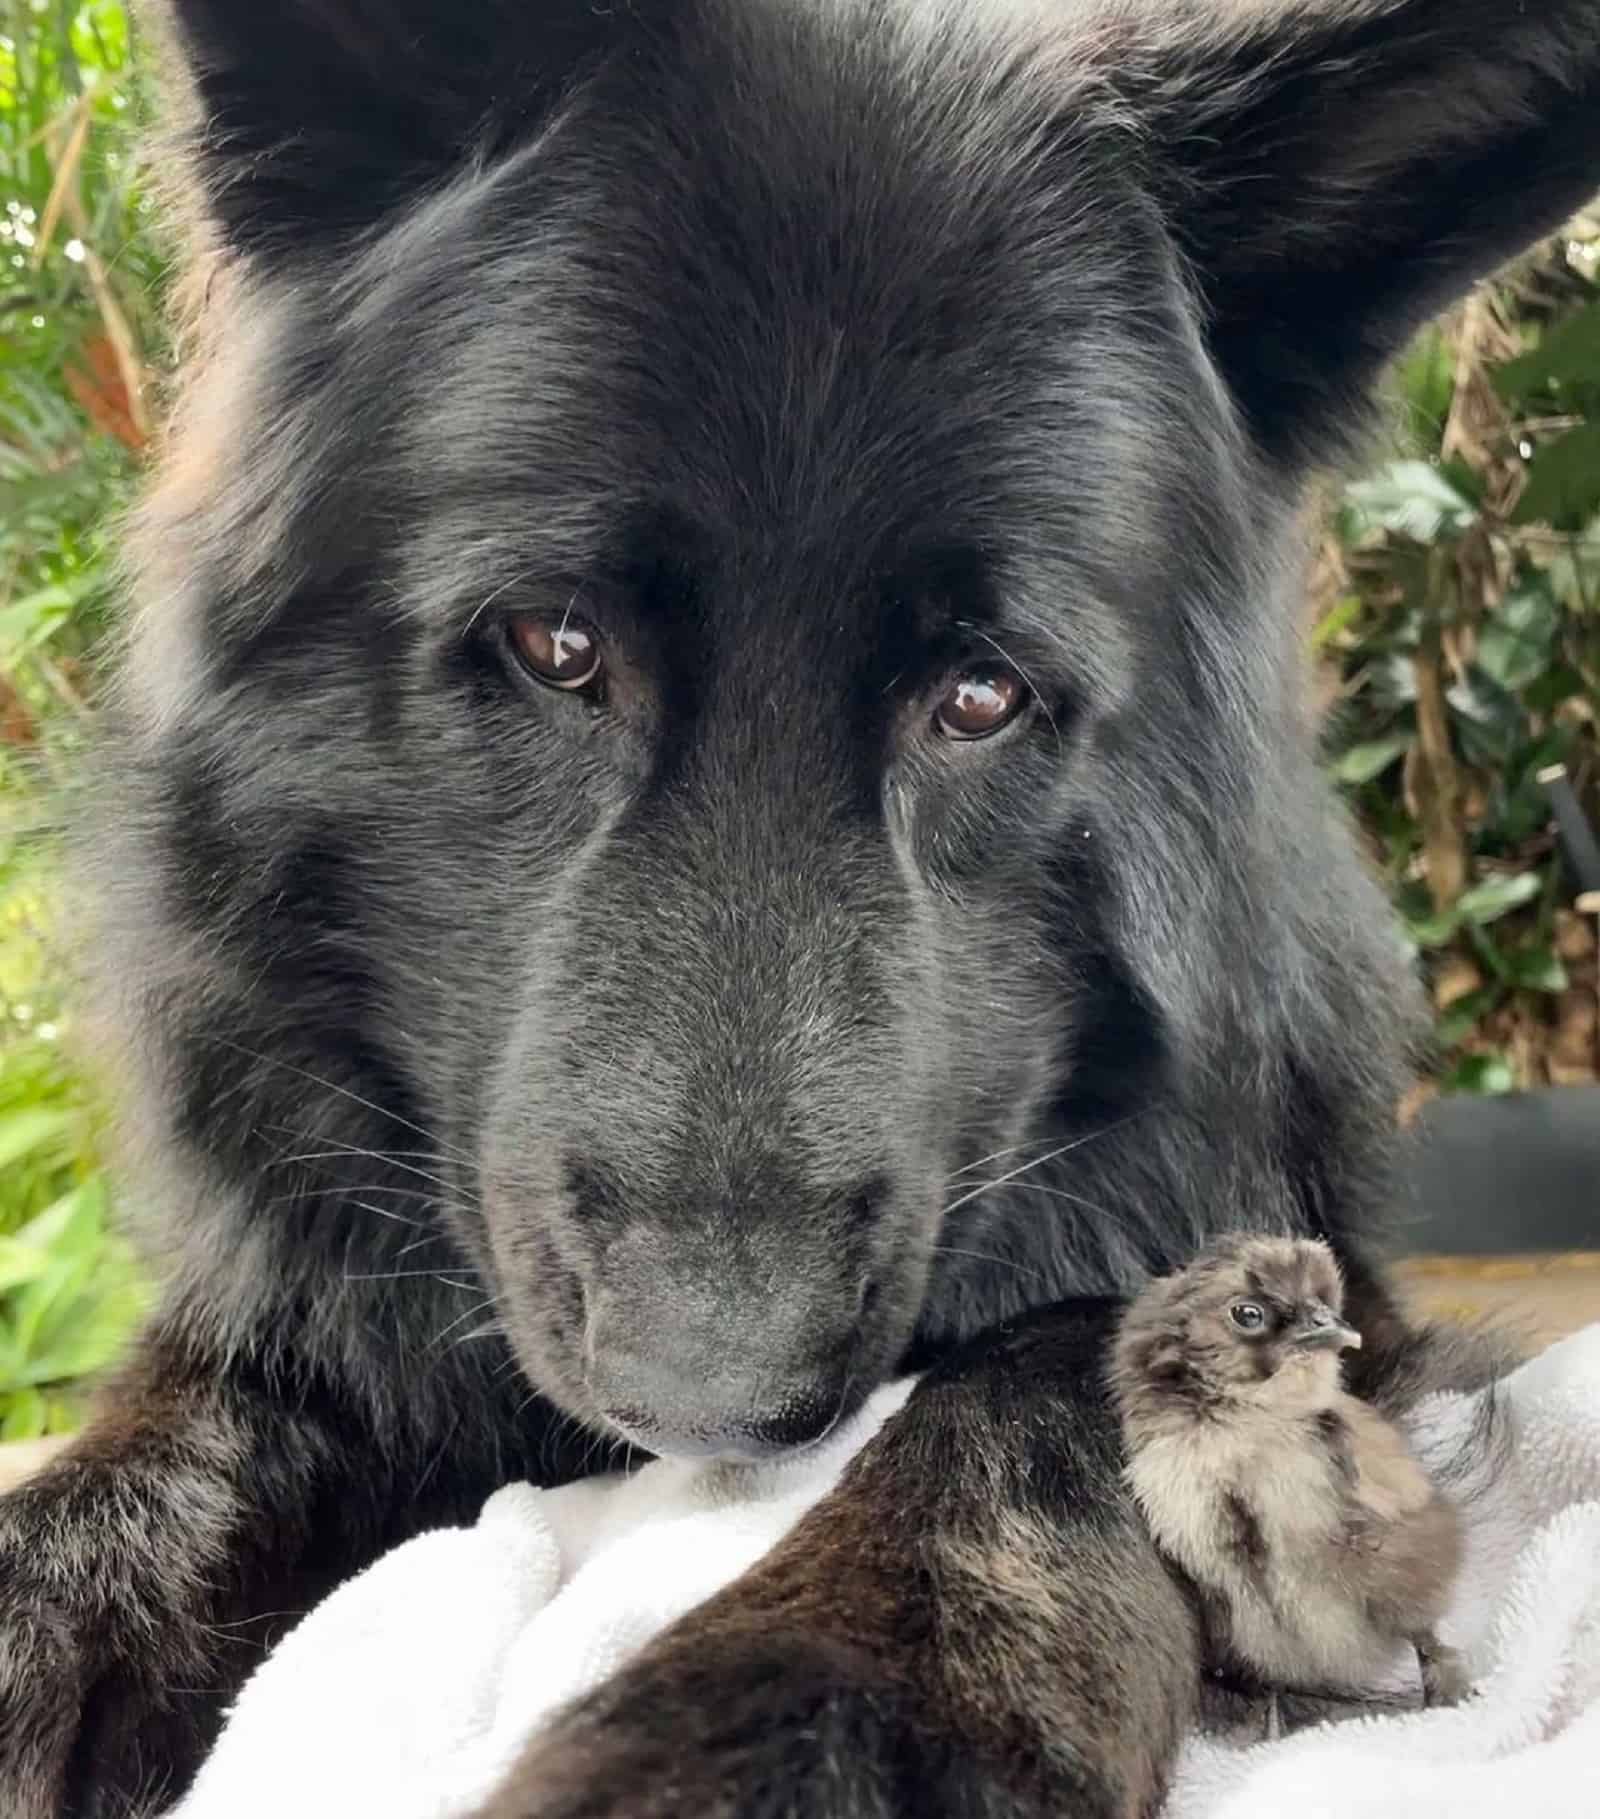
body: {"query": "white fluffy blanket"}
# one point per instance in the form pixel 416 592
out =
pixel 413 1687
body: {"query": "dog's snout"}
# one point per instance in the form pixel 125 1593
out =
pixel 663 1410
pixel 753 1355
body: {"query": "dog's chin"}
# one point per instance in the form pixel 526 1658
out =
pixel 642 1442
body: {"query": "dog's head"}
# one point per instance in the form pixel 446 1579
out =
pixel 712 675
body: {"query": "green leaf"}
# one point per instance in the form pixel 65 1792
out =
pixel 70 1225
pixel 1573 571
pixel 83 1333
pixel 1563 486
pixel 1427 376
pixel 71 1233
pixel 1464 477
pixel 1484 945
pixel 1536 969
pixel 36 617
pixel 1411 499
pixel 1518 806
pixel 1567 360
pixel 36 1315
pixel 1339 617
pixel 23 1132
pixel 62 1413
pixel 1361 763
pixel 1495 897
pixel 1490 721
pixel 1560 682
pixel 1392 681
pixel 74 1317
pixel 20 1263
pixel 1435 930
pixel 1480 1074
pixel 1516 642
pixel 1466 1013
pixel 26 1415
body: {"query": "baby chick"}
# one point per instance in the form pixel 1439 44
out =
pixel 1317 1542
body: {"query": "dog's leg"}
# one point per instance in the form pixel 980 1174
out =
pixel 975 1623
pixel 145 1572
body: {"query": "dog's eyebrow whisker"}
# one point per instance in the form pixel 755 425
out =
pixel 1044 709
pixel 489 599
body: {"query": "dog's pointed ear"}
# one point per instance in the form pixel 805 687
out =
pixel 307 119
pixel 1337 171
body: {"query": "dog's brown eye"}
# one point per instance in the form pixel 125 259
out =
pixel 560 649
pixel 980 703
pixel 1248 1316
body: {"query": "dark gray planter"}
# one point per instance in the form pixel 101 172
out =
pixel 1488 1176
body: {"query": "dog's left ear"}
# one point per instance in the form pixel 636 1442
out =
pixel 1337 171
pixel 309 120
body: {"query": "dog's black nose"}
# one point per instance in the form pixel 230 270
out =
pixel 666 1413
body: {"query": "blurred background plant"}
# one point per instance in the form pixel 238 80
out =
pixel 1456 610
pixel 79 303
pixel 1458 620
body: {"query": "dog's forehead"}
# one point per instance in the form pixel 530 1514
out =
pixel 824 335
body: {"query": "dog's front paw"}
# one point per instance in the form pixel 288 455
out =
pixel 93 1722
pixel 46 1668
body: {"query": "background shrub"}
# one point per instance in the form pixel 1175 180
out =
pixel 1459 626
pixel 79 300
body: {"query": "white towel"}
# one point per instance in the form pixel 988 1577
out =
pixel 412 1689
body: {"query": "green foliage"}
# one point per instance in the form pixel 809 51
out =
pixel 1464 635
pixel 1410 499
pixel 79 284
pixel 68 1286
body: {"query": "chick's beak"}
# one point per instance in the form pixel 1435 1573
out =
pixel 1319 1327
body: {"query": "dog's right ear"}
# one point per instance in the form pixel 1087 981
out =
pixel 1337 171
pixel 308 120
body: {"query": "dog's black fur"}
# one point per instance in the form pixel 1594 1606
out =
pixel 701 1049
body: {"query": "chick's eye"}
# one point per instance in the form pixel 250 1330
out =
pixel 558 649
pixel 1248 1316
pixel 980 702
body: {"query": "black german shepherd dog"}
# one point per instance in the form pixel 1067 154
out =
pixel 711 799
